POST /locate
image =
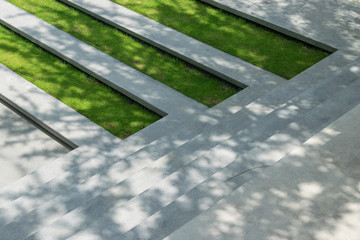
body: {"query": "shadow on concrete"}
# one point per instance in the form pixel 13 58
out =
pixel 76 193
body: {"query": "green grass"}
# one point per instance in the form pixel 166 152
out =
pixel 101 104
pixel 162 67
pixel 236 36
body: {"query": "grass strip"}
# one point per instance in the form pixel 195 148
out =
pixel 257 45
pixel 173 72
pixel 96 101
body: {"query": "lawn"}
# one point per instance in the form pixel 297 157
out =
pixel 171 71
pixel 101 104
pixel 255 44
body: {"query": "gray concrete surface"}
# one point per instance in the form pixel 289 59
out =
pixel 313 193
pixel 312 196
pixel 23 147
pixel 120 172
pixel 157 212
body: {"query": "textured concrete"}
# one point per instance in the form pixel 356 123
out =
pixel 121 171
pixel 197 53
pixel 203 142
pixel 23 147
pixel 149 185
pixel 167 210
pixel 311 194
pixel 132 83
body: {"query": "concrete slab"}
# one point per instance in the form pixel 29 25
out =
pixel 23 147
pixel 189 49
pixel 132 83
pixel 313 193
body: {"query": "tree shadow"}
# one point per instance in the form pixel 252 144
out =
pixel 237 36
pixel 106 192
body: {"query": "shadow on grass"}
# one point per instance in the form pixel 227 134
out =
pixel 262 47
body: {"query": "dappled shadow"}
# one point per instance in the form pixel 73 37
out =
pixel 132 52
pixel 106 192
pixel 23 147
pixel 163 196
pixel 98 102
pixel 328 24
pixel 236 36
pixel 311 194
pixel 143 89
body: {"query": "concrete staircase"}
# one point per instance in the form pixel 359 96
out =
pixel 173 189
pixel 183 166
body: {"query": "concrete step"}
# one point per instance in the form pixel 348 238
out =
pixel 60 176
pixel 24 145
pixel 312 188
pixel 68 164
pixel 95 158
pixel 169 209
pixel 160 128
pixel 128 81
pixel 85 161
pixel 235 103
pixel 31 184
pixel 159 133
pixel 320 97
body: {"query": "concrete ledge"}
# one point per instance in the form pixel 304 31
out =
pixel 186 48
pixel 234 8
pixel 134 84
pixel 51 114
pixel 330 25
